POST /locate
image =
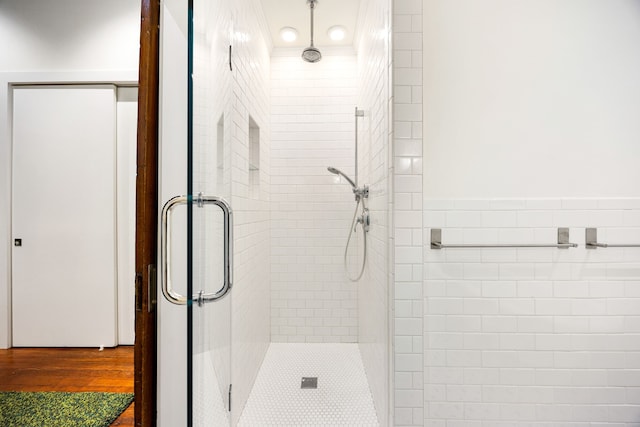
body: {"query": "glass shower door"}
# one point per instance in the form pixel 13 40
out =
pixel 212 234
pixel 197 224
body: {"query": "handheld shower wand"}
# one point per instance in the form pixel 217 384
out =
pixel 342 174
pixel 363 219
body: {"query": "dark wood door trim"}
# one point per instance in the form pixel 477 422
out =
pixel 147 216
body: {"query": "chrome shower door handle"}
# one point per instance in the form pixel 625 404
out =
pixel 228 249
pixel 165 250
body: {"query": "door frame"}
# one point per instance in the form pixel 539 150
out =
pixel 7 81
pixel 145 352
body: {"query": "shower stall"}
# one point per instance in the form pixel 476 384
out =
pixel 512 295
pixel 274 292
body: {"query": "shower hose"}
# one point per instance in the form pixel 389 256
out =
pixel 352 230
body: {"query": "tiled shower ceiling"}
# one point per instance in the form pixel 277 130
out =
pixel 295 13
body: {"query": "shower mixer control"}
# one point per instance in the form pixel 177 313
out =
pixel 361 192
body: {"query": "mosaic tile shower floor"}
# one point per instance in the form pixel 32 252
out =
pixel 342 398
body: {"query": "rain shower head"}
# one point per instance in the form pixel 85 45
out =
pixel 339 172
pixel 311 54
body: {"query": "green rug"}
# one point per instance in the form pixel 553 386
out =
pixel 57 409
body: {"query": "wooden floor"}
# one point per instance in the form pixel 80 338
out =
pixel 70 369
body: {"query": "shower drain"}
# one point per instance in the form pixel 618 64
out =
pixel 309 382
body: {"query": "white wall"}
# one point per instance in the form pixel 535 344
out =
pixel 530 123
pixel 312 122
pixel 408 380
pixel 531 99
pixel 374 163
pixel 543 335
pixel 251 292
pixel 69 35
pixel 67 41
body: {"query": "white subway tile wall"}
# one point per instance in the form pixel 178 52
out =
pixel 406 114
pixel 312 127
pixel 535 336
pixel 374 61
pixel 250 298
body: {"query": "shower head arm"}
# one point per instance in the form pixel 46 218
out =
pixel 311 54
pixel 312 4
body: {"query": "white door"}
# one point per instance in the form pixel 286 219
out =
pixel 64 216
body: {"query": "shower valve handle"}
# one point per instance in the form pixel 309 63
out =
pixel 364 219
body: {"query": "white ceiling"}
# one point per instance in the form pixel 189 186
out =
pixel 295 13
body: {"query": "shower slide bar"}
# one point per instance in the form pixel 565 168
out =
pixel 591 239
pixel 563 242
